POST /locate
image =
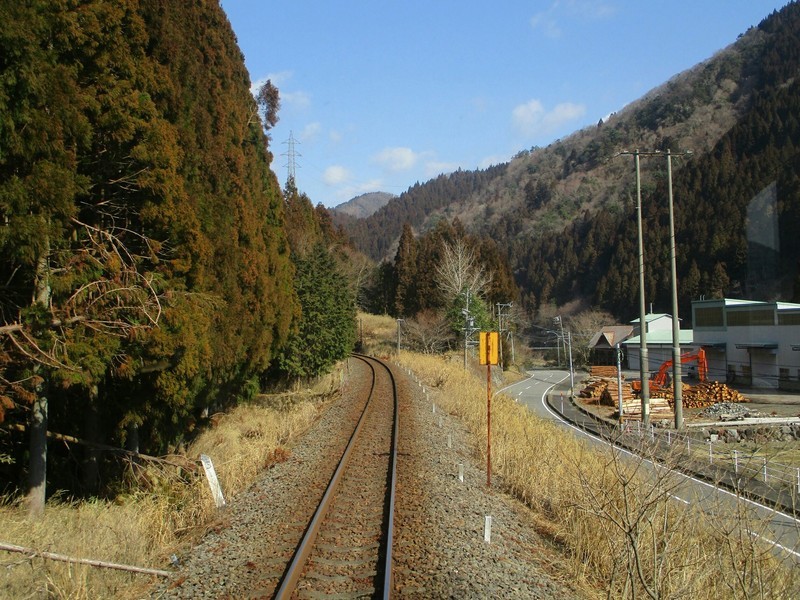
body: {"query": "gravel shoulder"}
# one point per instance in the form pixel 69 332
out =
pixel 440 550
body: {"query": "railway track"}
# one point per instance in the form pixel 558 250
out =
pixel 437 547
pixel 346 550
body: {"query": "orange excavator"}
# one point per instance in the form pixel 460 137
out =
pixel 659 380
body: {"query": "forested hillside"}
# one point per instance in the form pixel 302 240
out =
pixel 145 263
pixel 378 233
pixel 364 205
pixel 564 216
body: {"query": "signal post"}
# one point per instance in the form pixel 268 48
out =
pixel 489 344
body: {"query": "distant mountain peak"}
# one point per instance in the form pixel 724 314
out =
pixel 364 205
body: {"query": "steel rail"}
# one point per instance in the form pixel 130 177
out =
pixel 294 571
pixel 388 573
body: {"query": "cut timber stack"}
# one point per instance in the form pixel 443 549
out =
pixel 608 372
pixel 660 408
pixel 602 386
pixel 705 394
pixel 594 389
pixel 610 395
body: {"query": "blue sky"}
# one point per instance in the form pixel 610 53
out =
pixel 383 94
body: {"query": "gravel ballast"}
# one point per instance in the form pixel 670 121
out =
pixel 439 546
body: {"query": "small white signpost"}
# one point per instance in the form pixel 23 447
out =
pixel 213 482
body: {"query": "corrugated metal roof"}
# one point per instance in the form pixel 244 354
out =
pixel 663 338
pixel 652 317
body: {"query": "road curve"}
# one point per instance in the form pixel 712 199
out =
pixel 782 531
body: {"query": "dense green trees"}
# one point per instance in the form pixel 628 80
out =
pixel 325 331
pixel 437 272
pixel 324 328
pixel 144 256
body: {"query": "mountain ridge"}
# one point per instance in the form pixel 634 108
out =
pixel 364 205
pixel 544 192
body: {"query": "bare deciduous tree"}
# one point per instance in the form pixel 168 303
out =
pixel 459 271
pixel 429 332
pixel 583 327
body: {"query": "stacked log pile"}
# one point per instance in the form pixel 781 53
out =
pixel 608 372
pixel 704 394
pixel 594 389
pixel 660 408
pixel 603 389
pixel 610 395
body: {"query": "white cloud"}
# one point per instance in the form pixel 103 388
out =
pixel 336 175
pixel 549 21
pixel 277 79
pixel 545 22
pixel 397 159
pixel 491 161
pixel 310 131
pixel 527 116
pixel 356 189
pixel 531 118
pixel 434 168
pixel 590 9
pixel 296 99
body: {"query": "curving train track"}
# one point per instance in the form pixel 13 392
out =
pixel 346 549
pixel 436 548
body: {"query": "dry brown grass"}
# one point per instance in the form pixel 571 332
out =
pixel 163 510
pixel 614 517
pixel 379 333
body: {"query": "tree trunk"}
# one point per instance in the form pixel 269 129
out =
pixel 91 457
pixel 132 437
pixel 37 466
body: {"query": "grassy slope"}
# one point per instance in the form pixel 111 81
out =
pixel 606 522
pixel 613 520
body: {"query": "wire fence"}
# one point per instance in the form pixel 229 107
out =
pixel 742 466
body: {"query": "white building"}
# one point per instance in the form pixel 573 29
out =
pixel 750 343
pixel 659 342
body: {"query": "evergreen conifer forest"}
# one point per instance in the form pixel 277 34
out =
pixel 150 271
pixel 153 270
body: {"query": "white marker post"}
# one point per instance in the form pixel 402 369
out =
pixel 213 482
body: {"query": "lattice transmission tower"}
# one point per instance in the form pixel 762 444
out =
pixel 291 162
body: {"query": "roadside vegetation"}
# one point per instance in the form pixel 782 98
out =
pixel 615 519
pixel 158 510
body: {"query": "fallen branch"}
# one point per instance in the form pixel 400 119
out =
pixel 189 465
pixel 83 561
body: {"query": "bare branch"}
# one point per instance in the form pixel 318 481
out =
pixel 459 271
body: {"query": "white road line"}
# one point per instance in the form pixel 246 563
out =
pixel 679 499
pixel 717 489
pixel 776 544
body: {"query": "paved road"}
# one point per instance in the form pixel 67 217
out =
pixel 781 530
pixel 533 391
